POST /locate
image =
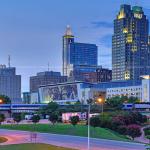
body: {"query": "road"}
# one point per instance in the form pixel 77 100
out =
pixel 16 137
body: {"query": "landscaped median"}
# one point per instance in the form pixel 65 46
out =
pixel 32 146
pixel 2 139
pixel 68 129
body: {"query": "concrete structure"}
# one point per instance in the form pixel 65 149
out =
pixel 130 54
pixel 44 78
pixel 10 83
pixel 82 91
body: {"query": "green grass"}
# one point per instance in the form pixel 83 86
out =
pixel 31 147
pixel 78 130
pixel 2 139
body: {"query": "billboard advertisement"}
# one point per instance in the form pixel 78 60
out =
pixel 59 92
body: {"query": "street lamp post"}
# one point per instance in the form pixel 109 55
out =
pixel 89 109
pixel 100 101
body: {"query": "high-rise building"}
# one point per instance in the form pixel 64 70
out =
pixel 130 54
pixel 10 83
pixel 67 39
pixel 45 78
pixel 78 56
pixel 103 75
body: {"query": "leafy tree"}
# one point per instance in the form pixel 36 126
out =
pixel 2 118
pixel 133 100
pixel 134 130
pixel 74 120
pixel 53 117
pixel 51 107
pixel 115 102
pixel 5 99
pixel 17 118
pixel 35 118
pixel 95 121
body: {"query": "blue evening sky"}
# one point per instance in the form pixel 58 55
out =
pixel 31 31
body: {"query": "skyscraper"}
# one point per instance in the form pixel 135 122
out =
pixel 67 39
pixel 78 56
pixel 130 54
pixel 10 83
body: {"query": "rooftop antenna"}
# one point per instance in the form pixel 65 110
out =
pixel 9 61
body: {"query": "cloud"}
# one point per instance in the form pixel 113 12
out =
pixel 99 24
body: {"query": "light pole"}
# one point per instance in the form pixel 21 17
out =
pixel 89 109
pixel 100 101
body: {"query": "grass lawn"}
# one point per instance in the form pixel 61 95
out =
pixel 2 139
pixel 68 129
pixel 31 147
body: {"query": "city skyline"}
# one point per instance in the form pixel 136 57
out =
pixel 37 31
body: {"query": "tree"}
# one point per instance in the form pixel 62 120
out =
pixel 5 99
pixel 2 118
pixel 17 118
pixel 74 120
pixel 53 117
pixel 133 100
pixel 35 118
pixel 134 130
pixel 95 121
pixel 115 102
pixel 51 107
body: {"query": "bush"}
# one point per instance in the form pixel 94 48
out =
pixel 53 118
pixel 35 119
pixel 134 130
pixel 17 118
pixel 122 130
pixel 117 121
pixel 147 131
pixel 95 121
pixel 74 120
pixel 2 118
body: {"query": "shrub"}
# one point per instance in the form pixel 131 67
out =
pixel 35 119
pixel 134 130
pixel 17 118
pixel 74 120
pixel 122 130
pixel 95 121
pixel 53 118
pixel 2 118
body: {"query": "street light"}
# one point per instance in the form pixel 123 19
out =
pixel 1 101
pixel 89 109
pixel 101 101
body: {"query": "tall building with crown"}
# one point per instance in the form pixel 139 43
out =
pixel 78 57
pixel 130 54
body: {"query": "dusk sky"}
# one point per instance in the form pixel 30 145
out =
pixel 31 31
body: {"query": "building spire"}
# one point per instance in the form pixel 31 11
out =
pixel 9 61
pixel 68 30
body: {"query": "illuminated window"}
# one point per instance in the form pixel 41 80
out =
pixel 127 75
pixel 129 38
pixel 121 15
pixel 125 30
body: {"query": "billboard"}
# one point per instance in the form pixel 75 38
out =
pixel 59 92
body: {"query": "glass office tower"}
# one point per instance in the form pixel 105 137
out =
pixel 78 57
pixel 130 54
